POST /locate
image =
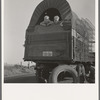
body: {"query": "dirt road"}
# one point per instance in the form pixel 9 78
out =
pixel 21 79
pixel 30 78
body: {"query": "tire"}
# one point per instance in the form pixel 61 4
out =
pixel 54 75
pixel 81 73
pixel 91 78
pixel 38 78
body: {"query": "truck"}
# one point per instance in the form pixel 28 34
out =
pixel 63 52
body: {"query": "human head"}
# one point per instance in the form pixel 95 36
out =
pixel 56 19
pixel 46 18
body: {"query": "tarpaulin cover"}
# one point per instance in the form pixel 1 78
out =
pixel 61 5
pixel 81 25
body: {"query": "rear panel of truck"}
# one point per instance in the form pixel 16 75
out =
pixel 47 44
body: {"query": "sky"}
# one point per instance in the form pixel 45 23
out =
pixel 17 15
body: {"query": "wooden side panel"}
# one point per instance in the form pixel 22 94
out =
pixel 80 47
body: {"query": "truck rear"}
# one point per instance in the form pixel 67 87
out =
pixel 50 43
pixel 60 50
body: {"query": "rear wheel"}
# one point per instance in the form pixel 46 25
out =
pixel 42 75
pixel 38 78
pixel 63 74
pixel 91 77
pixel 81 73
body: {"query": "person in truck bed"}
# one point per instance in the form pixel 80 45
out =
pixel 56 19
pixel 46 21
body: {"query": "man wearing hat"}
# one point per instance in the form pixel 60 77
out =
pixel 46 21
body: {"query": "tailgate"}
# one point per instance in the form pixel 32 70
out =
pixel 54 46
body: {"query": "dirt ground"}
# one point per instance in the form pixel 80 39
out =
pixel 16 70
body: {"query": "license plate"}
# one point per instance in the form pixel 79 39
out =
pixel 47 53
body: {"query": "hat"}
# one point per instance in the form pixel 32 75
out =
pixel 46 17
pixel 56 17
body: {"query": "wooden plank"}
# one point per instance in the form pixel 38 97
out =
pixel 80 47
